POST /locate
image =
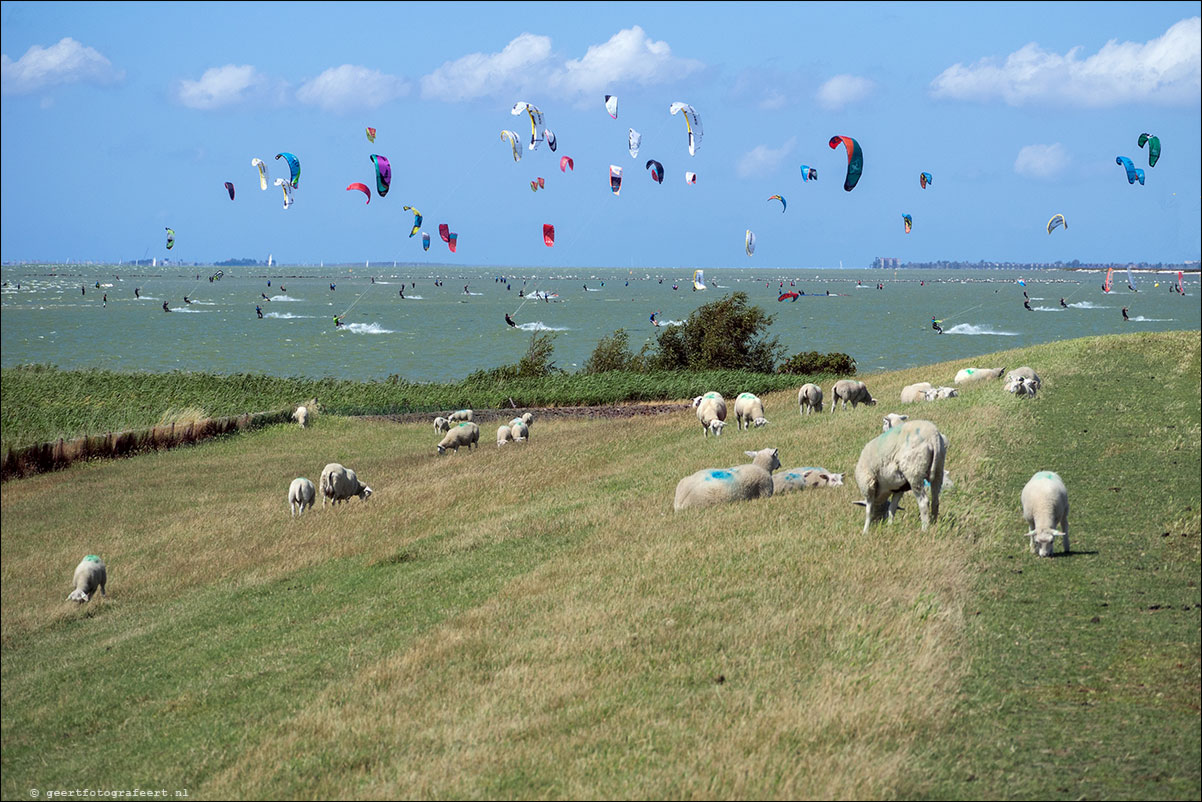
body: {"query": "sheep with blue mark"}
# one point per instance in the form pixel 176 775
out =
pixel 749 411
pixel 1045 509
pixel 721 485
pixel 465 434
pixel 90 574
pixel 907 457
pixel 711 411
pixel 797 479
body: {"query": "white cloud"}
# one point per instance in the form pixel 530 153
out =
pixel 352 87
pixel 843 90
pixel 1165 70
pixel 222 86
pixel 1041 161
pixel 763 160
pixel 63 63
pixel 767 89
pixel 628 58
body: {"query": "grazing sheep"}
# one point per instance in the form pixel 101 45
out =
pixel 749 411
pixel 717 485
pixel 89 575
pixel 461 415
pixel 893 419
pixel 1045 509
pixel 339 484
pixel 301 495
pixel 1021 386
pixel 968 375
pixel 906 457
pixel 796 479
pixel 809 399
pixel 940 393
pixel 528 418
pixel 711 411
pixel 915 392
pixel 1025 373
pixel 504 435
pixel 520 431
pixel 465 434
pixel 301 416
pixel 848 390
pixel 441 424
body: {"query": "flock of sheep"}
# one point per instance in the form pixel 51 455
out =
pixel 908 456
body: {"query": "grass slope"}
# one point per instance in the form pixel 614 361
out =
pixel 535 621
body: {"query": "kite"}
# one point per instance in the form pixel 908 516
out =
pixel 566 163
pixel 417 223
pixel 692 123
pixel 170 238
pixel 1133 173
pixel 362 188
pixel 548 234
pixel 924 179
pixel 783 205
pixel 536 119
pixel 855 160
pixel 1153 143
pixel 371 135
pixel 1057 220
pixel 611 105
pixel 690 177
pixel 537 184
pixel 288 199
pixel 293 165
pixel 657 171
pixel 615 178
pixel 635 139
pixel 383 174
pixel 448 236
pixel 425 241
pixel 908 222
pixel 229 187
pixel 512 138
pixel 808 173
pixel 549 135
pixel 262 172
pixel 749 242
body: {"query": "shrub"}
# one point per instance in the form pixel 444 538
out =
pixel 808 363
pixel 613 353
pixel 728 333
pixel 536 363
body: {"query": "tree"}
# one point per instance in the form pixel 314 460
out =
pixel 728 333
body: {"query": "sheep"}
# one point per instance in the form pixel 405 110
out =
pixel 301 416
pixel 461 415
pixel 906 457
pixel 504 435
pixel 1025 373
pixel 893 419
pixel 339 483
pixel 525 420
pixel 1045 509
pixel 1021 386
pixel 301 495
pixel 939 393
pixel 716 486
pixel 809 399
pixel 465 434
pixel 796 479
pixel 528 418
pixel 442 425
pixel 915 392
pixel 978 374
pixel 89 575
pixel 749 411
pixel 848 390
pixel 711 411
pixel 520 431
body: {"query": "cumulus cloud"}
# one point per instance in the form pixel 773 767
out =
pixel 222 86
pixel 63 63
pixel 352 87
pixel 763 160
pixel 1166 70
pixel 628 58
pixel 843 90
pixel 1041 161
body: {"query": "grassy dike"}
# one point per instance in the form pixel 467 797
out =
pixel 535 621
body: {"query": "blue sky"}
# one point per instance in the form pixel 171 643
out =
pixel 121 119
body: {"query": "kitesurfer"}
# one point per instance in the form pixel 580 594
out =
pixel 165 307
pixel 521 294
pixel 935 325
pixel 1063 304
pixel 137 292
pixel 106 300
pixel 186 300
pixel 1125 318
pixel 259 310
pixel 401 292
pixel 465 292
pixel 1027 305
pixel 331 288
pixel 509 320
pixel 337 322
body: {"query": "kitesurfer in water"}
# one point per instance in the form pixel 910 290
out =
pixel 1027 305
pixel 1063 304
pixel 509 320
pixel 1125 318
pixel 401 292
pixel 337 322
pixel 935 325
pixel 187 300
pixel 137 292
pixel 165 307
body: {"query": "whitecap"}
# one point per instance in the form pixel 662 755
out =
pixel 968 328
pixel 1088 305
pixel 413 298
pixel 190 311
pixel 1142 319
pixel 538 325
pixel 1046 309
pixel 367 328
pixel 287 316
pixel 284 298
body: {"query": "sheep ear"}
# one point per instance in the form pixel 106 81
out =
pixel 1031 533
pixel 860 503
pixel 1056 533
pixel 751 453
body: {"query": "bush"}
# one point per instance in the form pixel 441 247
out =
pixel 613 353
pixel 726 334
pixel 536 363
pixel 808 363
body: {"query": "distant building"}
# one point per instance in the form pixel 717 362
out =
pixel 886 262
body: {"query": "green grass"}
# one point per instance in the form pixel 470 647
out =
pixel 535 621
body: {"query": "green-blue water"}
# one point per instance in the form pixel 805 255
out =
pixel 441 333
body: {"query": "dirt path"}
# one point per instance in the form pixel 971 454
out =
pixel 542 413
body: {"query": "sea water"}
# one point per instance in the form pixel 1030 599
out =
pixel 438 333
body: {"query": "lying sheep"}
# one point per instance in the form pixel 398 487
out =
pixel 711 411
pixel 504 435
pixel 915 392
pixel 749 411
pixel 339 483
pixel 301 495
pixel 809 399
pixel 520 431
pixel 1021 386
pixel 1045 509
pixel 465 434
pixel 893 419
pixel 441 424
pixel 968 375
pixel 940 393
pixel 301 416
pixel 89 575
pixel 846 390
pixel 461 415
pixel 906 457
pixel 796 479
pixel 719 485
pixel 1025 373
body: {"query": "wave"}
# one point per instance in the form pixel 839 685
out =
pixel 538 325
pixel 1142 319
pixel 590 289
pixel 205 303
pixel 288 316
pixel 474 293
pixel 189 311
pixel 284 298
pixel 968 328
pixel 1045 308
pixel 412 297
pixel 367 328
pixel 671 323
pixel 1088 305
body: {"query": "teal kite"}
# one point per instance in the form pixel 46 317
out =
pixel 1153 143
pixel 855 160
pixel 293 165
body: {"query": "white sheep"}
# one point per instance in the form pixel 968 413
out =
pixel 749 411
pixel 711 411
pixel 1025 373
pixel 89 575
pixel 1021 386
pixel 893 419
pixel 1045 509
pixel 520 431
pixel 301 416
pixel 719 485
pixel 846 390
pixel 915 392
pixel 441 424
pixel 796 479
pixel 504 435
pixel 809 399
pixel 967 375
pixel 528 418
pixel 906 457
pixel 465 434
pixel 301 495
pixel 339 483
pixel 940 393
pixel 460 415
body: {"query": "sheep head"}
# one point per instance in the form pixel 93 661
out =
pixel 758 422
pixel 893 419
pixel 767 458
pixel 364 492
pixel 78 595
pixel 1042 542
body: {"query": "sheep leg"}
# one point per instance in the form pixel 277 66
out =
pixel 894 501
pixel 924 505
pixel 1064 529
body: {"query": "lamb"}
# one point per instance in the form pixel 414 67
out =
pixel 915 392
pixel 528 418
pixel 893 419
pixel 716 486
pixel 301 416
pixel 1025 373
pixel 520 431
pixel 461 415
pixel 441 424
pixel 1045 509
pixel 89 575
pixel 854 391
pixel 939 393
pixel 1021 386
pixel 711 411
pixel 906 457
pixel 301 495
pixel 504 435
pixel 749 411
pixel 465 434
pixel 796 479
pixel 339 484
pixel 809 399
pixel 968 375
